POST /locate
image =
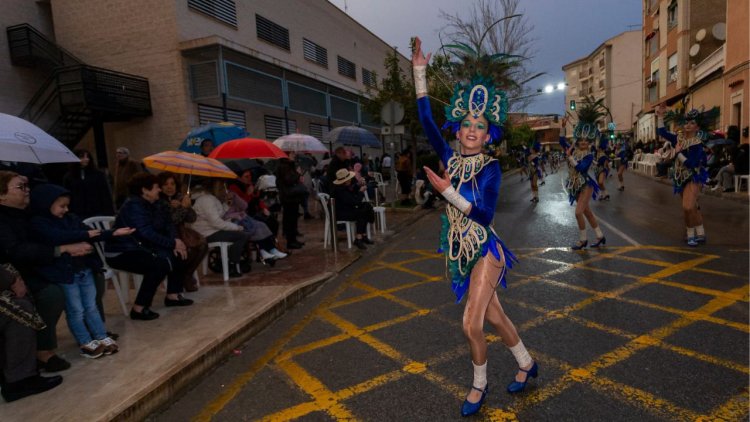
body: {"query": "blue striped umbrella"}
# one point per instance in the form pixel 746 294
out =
pixel 352 135
pixel 216 132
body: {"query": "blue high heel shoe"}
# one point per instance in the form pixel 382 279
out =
pixel 516 386
pixel 599 242
pixel 580 245
pixel 469 408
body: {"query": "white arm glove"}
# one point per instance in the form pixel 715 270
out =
pixel 420 80
pixel 451 195
pixel 572 161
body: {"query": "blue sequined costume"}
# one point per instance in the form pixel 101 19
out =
pixel 579 174
pixel 693 169
pixel 466 238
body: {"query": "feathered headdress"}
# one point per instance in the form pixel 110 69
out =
pixel 589 113
pixel 681 115
pixel 479 94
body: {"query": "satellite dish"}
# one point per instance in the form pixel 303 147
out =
pixel 694 49
pixel 719 31
pixel 700 35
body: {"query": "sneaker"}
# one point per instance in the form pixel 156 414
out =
pixel 692 241
pixel 700 238
pixel 92 349
pixel 278 254
pixel 110 347
pixel 266 256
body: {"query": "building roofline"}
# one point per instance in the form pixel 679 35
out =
pixel 604 44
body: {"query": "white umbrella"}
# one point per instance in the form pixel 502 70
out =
pixel 24 142
pixel 299 142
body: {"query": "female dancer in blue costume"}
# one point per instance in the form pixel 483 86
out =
pixel 602 167
pixel 689 168
pixel 623 154
pixel 477 259
pixel 580 185
pixel 534 163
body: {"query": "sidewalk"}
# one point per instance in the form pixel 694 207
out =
pixel 741 196
pixel 158 359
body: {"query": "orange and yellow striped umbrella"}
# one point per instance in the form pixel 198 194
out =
pixel 187 163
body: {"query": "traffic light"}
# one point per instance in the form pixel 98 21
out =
pixel 572 104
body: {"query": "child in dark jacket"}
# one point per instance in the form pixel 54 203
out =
pixel 54 225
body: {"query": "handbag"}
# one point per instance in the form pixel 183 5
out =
pixel 190 237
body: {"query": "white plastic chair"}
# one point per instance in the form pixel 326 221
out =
pixel 381 184
pixel 224 252
pixel 105 223
pixel 325 201
pixel 738 182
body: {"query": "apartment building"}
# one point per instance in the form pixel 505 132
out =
pixel 613 72
pixel 141 74
pixel 696 51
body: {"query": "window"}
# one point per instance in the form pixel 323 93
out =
pixel 653 44
pixel 672 15
pixel 223 10
pixel 369 78
pixel 249 85
pixel 209 114
pixel 307 100
pixel 344 110
pixel 314 53
pixel 319 131
pixel 672 72
pixel 204 80
pixel 276 127
pixel 272 32
pixel 347 68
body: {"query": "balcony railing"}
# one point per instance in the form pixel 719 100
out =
pixel 29 47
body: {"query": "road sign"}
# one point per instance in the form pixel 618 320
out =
pixel 392 113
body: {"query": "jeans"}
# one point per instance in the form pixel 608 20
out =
pixel 81 310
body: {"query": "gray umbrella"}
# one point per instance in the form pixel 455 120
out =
pixel 352 135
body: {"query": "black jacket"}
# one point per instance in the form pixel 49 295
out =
pixel 55 231
pixel 90 194
pixel 154 230
pixel 17 246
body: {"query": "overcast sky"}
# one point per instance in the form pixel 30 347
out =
pixel 564 30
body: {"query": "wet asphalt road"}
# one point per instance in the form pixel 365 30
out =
pixel 643 329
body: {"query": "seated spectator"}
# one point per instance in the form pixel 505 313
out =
pixel 210 207
pixel 19 322
pixel 153 250
pixel 258 231
pixel 182 214
pixel 266 206
pixel 53 225
pixel 18 249
pixel 350 206
pixel 724 179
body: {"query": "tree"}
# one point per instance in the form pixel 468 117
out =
pixel 496 27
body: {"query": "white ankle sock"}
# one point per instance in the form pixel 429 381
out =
pixel 582 235
pixel 480 375
pixel 690 232
pixel 700 231
pixel 598 232
pixel 522 355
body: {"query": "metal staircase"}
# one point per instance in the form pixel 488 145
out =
pixel 75 96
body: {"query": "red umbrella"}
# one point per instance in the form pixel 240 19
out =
pixel 247 148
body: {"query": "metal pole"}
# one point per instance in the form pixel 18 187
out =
pixel 333 225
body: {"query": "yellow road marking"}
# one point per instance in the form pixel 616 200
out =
pixel 325 400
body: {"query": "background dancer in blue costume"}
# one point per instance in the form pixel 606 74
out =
pixel 580 185
pixel 690 172
pixel 534 162
pixel 477 259
pixel 624 154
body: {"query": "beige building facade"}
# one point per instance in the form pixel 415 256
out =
pixel 697 52
pixel 274 67
pixel 611 71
